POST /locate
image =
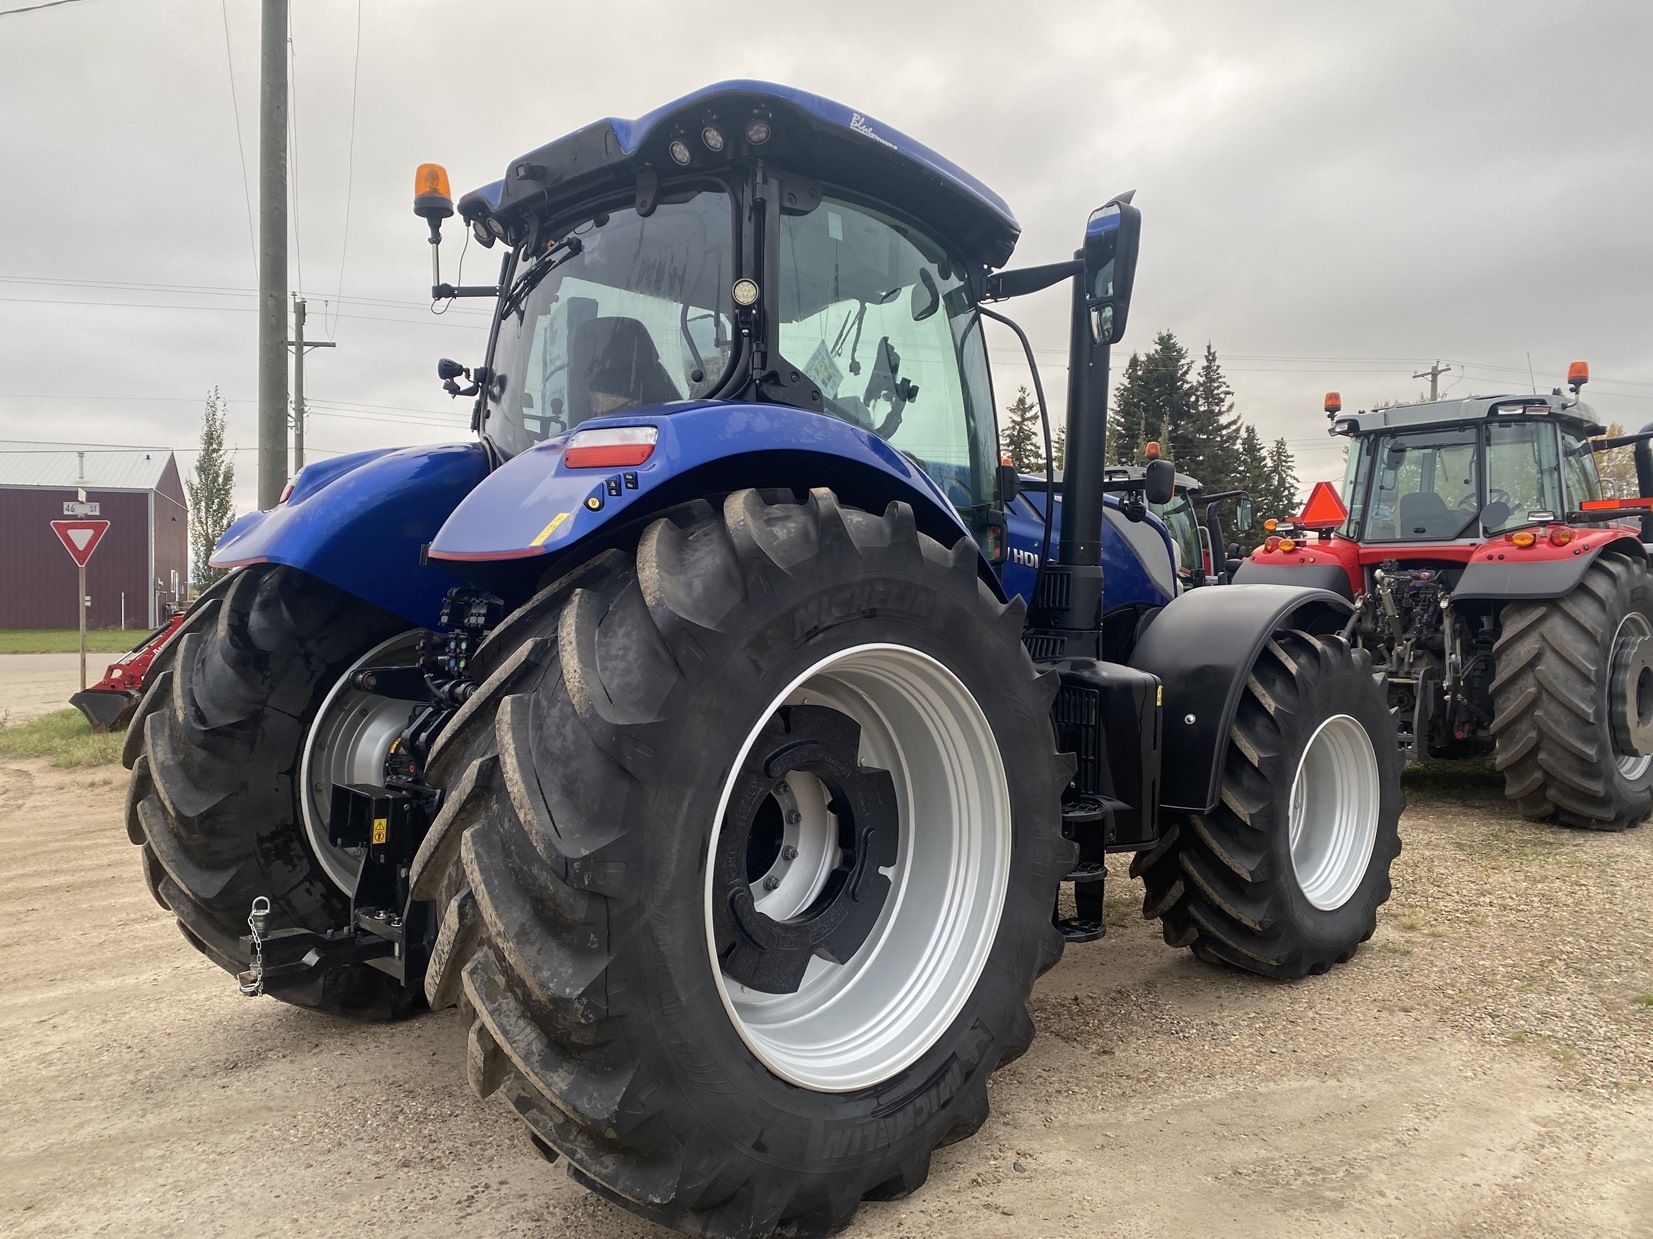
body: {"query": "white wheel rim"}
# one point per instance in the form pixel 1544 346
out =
pixel 348 743
pixel 1632 625
pixel 1334 812
pixel 852 1025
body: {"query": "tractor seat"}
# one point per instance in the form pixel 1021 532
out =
pixel 1425 514
pixel 614 365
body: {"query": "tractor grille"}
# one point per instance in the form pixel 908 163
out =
pixel 1077 713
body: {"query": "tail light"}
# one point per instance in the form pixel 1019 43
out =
pixel 1287 544
pixel 1273 544
pixel 1560 535
pixel 1523 537
pixel 610 447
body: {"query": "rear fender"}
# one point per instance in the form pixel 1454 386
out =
pixel 359 522
pixel 1202 647
pixel 535 512
pixel 1499 571
pixel 1330 563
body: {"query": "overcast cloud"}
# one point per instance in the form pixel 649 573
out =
pixel 1333 195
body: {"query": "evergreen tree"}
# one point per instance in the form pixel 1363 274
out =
pixel 1153 401
pixel 1251 475
pixel 1204 444
pixel 1023 437
pixel 1283 500
pixel 211 493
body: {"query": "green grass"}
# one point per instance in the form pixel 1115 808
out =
pixel 67 640
pixel 1643 1001
pixel 65 736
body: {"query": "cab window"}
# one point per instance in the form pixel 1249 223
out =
pixel 879 317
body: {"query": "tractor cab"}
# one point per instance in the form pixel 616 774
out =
pixel 1467 470
pixel 685 257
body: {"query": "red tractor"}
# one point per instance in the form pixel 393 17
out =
pixel 1506 599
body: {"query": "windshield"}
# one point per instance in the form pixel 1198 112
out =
pixel 1183 527
pixel 1521 473
pixel 1428 484
pixel 1425 484
pixel 1583 482
pixel 621 311
pixel 880 318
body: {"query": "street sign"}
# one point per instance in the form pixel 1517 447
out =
pixel 80 538
pixel 82 508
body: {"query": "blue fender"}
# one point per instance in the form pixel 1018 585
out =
pixel 536 506
pixel 360 521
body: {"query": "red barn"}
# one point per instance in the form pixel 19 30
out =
pixel 139 569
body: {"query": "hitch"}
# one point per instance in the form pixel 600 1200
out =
pixel 387 929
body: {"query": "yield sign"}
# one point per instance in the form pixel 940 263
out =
pixel 80 538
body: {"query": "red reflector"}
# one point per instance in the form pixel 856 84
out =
pixel 617 447
pixel 616 456
pixel 1324 510
pixel 1607 505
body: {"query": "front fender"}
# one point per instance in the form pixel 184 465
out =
pixel 359 522
pixel 536 507
pixel 1202 647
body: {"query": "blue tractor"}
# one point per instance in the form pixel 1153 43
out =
pixel 699 730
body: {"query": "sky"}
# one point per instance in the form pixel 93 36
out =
pixel 1334 196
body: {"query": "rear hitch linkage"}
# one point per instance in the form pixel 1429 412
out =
pixel 387 821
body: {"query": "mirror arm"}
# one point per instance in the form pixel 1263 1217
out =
pixel 1002 285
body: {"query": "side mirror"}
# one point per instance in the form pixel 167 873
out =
pixel 1159 482
pixel 1244 513
pixel 1010 485
pixel 1112 236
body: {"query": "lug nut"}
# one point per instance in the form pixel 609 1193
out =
pixel 771 882
pixel 794 817
pixel 789 852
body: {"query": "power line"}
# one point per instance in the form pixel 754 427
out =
pixel 240 146
pixel 350 165
pixel 49 4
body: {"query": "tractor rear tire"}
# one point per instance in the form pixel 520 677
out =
pixel 1285 877
pixel 215 749
pixel 1564 667
pixel 653 731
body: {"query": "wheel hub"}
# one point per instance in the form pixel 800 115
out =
pixel 1334 812
pixel 805 835
pixel 348 742
pixel 1630 695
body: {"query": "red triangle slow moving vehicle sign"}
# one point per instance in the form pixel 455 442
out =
pixel 80 538
pixel 1325 509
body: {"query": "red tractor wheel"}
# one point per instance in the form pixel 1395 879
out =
pixel 1573 696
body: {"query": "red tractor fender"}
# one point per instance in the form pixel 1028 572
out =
pixel 1498 569
pixel 1332 563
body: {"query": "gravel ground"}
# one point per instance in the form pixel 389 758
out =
pixel 1481 1068
pixel 36 684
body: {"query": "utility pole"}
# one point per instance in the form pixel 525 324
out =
pixel 1433 374
pixel 272 255
pixel 298 346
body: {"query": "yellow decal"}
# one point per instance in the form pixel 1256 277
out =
pixel 1159 698
pixel 381 829
pixel 550 529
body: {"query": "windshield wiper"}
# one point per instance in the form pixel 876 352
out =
pixel 548 262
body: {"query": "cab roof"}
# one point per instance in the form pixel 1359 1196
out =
pixel 1567 409
pixel 807 134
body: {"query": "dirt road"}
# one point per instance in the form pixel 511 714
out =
pixel 36 684
pixel 1480 1069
